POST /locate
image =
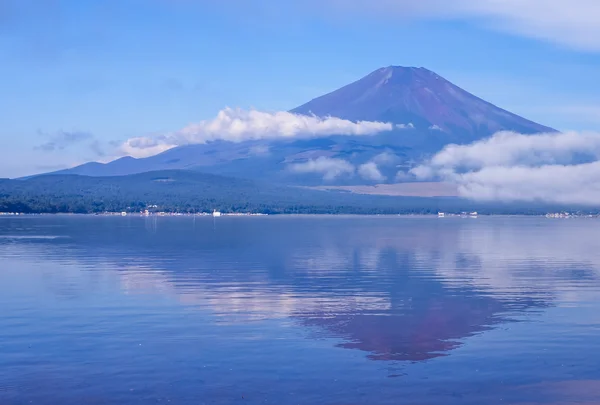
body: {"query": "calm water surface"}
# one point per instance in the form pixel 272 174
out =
pixel 305 310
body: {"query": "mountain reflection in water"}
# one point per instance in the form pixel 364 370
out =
pixel 401 290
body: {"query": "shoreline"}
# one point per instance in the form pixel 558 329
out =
pixel 237 215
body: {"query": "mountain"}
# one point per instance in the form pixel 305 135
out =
pixel 433 113
pixel 419 96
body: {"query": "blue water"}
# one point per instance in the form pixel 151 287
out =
pixel 299 310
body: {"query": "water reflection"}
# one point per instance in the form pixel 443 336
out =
pixel 398 289
pixel 295 310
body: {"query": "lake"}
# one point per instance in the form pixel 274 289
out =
pixel 299 310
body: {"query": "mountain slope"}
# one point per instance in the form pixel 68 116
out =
pixel 421 97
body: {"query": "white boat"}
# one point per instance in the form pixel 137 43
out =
pixel 441 214
pixel 216 213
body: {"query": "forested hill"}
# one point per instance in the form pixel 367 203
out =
pixel 183 191
pixel 190 191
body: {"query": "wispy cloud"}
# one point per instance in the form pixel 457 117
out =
pixel 333 168
pixel 97 148
pixel 369 171
pixel 558 168
pixel 64 139
pixel 260 150
pixel 386 158
pixel 142 147
pixel 330 168
pixel 237 125
pixel 572 23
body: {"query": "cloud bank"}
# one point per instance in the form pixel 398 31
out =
pixel 572 23
pixel 237 125
pixel 556 168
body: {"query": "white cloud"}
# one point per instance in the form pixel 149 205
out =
pixel 370 171
pixel 330 168
pixel 142 147
pixel 385 158
pixel 573 23
pixel 557 168
pixel 260 150
pixel 435 128
pixel 236 125
pixel 402 177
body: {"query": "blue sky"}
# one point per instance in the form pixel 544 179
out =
pixel 80 76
